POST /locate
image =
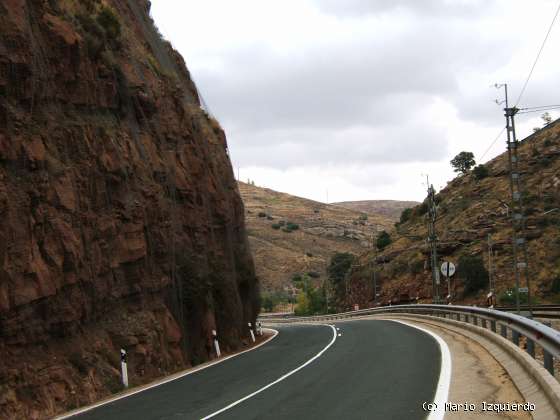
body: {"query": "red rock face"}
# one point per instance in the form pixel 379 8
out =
pixel 121 224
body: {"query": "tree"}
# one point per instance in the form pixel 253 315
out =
pixel 475 276
pixel 463 162
pixel 547 119
pixel 383 240
pixel 268 304
pixel 340 265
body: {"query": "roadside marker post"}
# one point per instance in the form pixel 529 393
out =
pixel 251 331
pixel 124 368
pixel 216 344
pixel 259 328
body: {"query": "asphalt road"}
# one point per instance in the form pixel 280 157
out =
pixel 374 370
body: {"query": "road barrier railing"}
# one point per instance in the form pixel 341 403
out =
pixel 508 325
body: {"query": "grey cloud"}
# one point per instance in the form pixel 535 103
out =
pixel 358 8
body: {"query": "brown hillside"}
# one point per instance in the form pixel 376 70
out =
pixel 389 208
pixel 470 210
pixel 323 230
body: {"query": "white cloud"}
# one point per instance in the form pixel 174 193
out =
pixel 335 89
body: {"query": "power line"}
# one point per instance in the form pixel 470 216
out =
pixel 538 55
pixel 493 143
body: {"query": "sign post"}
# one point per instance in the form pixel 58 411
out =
pixel 448 269
pixel 124 368
pixel 251 331
pixel 216 344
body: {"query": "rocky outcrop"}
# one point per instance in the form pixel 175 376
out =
pixel 121 223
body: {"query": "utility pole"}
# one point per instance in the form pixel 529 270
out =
pixel 374 270
pixel 490 252
pixel 432 240
pixel 519 242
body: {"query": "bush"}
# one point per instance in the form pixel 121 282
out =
pixel 383 240
pixel 363 217
pixel 313 274
pixel 309 254
pixel 276 226
pixel 509 298
pixel 110 23
pixel 471 269
pixel 480 172
pixel 406 215
pixel 262 214
pixel 292 226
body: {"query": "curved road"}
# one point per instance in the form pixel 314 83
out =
pixel 374 370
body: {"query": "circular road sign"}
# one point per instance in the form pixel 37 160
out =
pixel 448 269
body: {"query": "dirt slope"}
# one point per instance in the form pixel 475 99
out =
pixel 389 208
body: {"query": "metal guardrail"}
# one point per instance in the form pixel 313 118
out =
pixel 535 333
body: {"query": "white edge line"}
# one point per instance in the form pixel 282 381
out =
pixel 233 404
pixel 171 378
pixel 444 382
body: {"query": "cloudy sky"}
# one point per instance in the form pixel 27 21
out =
pixel 362 98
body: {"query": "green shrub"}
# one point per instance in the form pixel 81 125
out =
pixel 509 298
pixel 480 172
pixel 383 240
pixel 406 215
pixel 471 269
pixel 292 226
pixel 110 23
pixel 421 209
pixel 363 217
pixel 276 226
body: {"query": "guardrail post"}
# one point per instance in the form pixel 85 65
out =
pixel 483 322
pixel 493 325
pixel 503 330
pixel 548 362
pixel 515 337
pixel 531 347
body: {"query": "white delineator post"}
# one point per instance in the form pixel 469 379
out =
pixel 251 331
pixel 259 328
pixel 216 344
pixel 124 368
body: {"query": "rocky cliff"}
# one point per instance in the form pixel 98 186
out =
pixel 121 223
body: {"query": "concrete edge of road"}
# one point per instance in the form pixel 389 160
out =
pixel 162 381
pixel 533 381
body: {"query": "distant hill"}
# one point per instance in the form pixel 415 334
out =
pixel 469 210
pixel 323 230
pixel 389 208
